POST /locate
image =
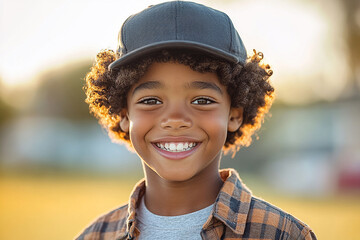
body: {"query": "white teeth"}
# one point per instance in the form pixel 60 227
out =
pixel 176 147
pixel 179 147
pixel 172 147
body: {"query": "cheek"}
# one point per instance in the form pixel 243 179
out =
pixel 139 126
pixel 215 124
pixel 136 133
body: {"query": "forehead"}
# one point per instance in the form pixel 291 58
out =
pixel 163 75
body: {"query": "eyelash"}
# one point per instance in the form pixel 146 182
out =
pixel 155 101
pixel 207 99
pixel 147 100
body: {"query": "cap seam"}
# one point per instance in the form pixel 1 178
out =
pixel 123 37
pixel 231 33
pixel 176 18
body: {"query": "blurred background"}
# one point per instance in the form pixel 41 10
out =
pixel 59 170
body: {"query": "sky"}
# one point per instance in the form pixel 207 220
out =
pixel 300 39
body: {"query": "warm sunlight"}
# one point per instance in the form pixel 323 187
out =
pixel 303 43
pixel 55 32
pixel 58 164
pixel 299 39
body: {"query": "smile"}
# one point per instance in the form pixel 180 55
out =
pixel 176 146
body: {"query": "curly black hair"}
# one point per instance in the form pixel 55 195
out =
pixel 248 87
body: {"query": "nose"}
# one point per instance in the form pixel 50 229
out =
pixel 176 118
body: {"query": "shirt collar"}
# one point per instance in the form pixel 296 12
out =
pixel 128 230
pixel 231 206
pixel 233 202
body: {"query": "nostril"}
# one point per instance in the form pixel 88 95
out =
pixel 176 124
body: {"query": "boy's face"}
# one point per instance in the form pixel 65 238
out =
pixel 178 120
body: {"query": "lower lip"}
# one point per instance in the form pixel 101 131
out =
pixel 176 155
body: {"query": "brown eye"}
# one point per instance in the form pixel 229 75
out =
pixel 203 101
pixel 150 101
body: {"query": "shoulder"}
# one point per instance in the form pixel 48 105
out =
pixel 274 223
pixel 109 224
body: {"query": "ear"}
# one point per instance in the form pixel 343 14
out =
pixel 235 119
pixel 124 121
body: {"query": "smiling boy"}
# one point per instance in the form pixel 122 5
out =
pixel 180 91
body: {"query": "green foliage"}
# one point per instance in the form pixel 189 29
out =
pixel 6 111
pixel 60 93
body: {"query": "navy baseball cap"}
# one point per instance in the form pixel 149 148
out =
pixel 179 24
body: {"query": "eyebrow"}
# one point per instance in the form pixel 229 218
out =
pixel 194 85
pixel 148 85
pixel 204 85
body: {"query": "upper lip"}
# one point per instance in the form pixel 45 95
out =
pixel 175 139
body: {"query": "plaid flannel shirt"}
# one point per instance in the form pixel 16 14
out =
pixel 236 215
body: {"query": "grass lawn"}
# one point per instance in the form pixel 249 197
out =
pixel 59 207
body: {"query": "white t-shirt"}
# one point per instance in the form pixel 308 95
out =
pixel 187 226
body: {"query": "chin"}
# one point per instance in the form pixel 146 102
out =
pixel 176 175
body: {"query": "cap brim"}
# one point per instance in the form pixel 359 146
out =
pixel 134 55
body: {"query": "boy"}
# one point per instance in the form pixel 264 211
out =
pixel 179 91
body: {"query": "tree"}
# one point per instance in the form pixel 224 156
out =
pixel 60 92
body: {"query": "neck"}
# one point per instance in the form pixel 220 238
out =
pixel 170 198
